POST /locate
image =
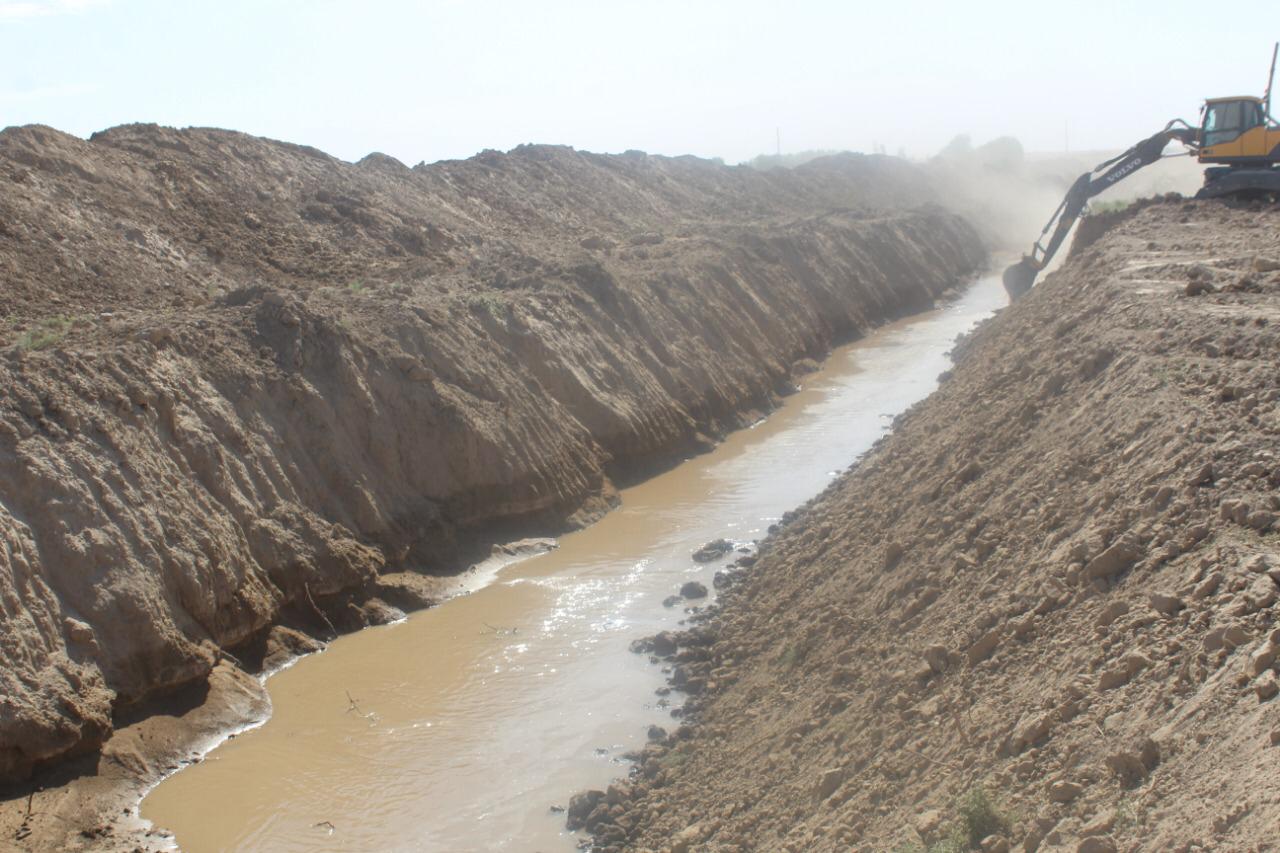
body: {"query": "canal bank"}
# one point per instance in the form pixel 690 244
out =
pixel 462 726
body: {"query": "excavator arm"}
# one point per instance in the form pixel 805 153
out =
pixel 1019 278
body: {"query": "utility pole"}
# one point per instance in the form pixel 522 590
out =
pixel 778 135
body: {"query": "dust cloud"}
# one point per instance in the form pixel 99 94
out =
pixel 1009 194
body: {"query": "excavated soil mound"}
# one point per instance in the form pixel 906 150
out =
pixel 244 380
pixel 1042 614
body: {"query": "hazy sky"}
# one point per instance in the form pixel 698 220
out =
pixel 444 79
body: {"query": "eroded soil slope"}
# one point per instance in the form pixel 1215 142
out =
pixel 1044 609
pixel 244 380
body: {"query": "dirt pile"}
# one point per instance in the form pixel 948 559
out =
pixel 1041 615
pixel 245 381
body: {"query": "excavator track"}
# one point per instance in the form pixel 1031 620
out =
pixel 1242 184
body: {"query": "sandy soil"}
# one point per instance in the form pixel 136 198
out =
pixel 247 385
pixel 1041 615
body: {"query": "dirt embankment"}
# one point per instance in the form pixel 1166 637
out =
pixel 1044 609
pixel 244 381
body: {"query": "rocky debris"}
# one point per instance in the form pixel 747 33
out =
pixel 893 552
pixel 1262 659
pixel 528 547
pixel 828 782
pixel 1199 286
pixel 724 578
pixel 582 808
pixel 984 646
pixel 928 823
pixel 1099 632
pixel 1063 791
pixel 1100 824
pixel 713 550
pixel 1118 558
pixel 1226 637
pixel 1113 611
pixel 595 242
pixel 1127 766
pixel 284 644
pixel 803 367
pixel 1166 604
pixel 1203 475
pixel 686 839
pixel 1096 845
pixel 663 644
pixel 1126 669
pixel 693 590
pixel 936 658
pixel 1260 594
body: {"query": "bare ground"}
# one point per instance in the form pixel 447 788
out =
pixel 1041 615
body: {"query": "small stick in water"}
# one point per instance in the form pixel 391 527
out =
pixel 352 706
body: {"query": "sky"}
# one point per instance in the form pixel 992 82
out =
pixel 446 79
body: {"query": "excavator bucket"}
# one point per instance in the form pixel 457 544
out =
pixel 1019 278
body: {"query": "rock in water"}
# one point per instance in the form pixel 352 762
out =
pixel 581 807
pixel 693 589
pixel 712 550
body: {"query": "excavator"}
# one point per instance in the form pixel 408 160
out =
pixel 1238 139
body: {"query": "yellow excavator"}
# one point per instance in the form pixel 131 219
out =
pixel 1238 139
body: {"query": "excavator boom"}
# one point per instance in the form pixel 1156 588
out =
pixel 1019 278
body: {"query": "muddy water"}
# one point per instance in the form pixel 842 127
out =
pixel 472 719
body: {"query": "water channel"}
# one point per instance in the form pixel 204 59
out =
pixel 477 716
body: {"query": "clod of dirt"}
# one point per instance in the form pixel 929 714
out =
pixel 693 589
pixel 1199 287
pixel 713 550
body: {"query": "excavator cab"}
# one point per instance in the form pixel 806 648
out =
pixel 1235 129
pixel 1225 119
pixel 1240 143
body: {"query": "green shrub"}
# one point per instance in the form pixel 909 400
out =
pixel 486 303
pixel 46 333
pixel 979 816
pixel 789 656
pixel 1098 208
